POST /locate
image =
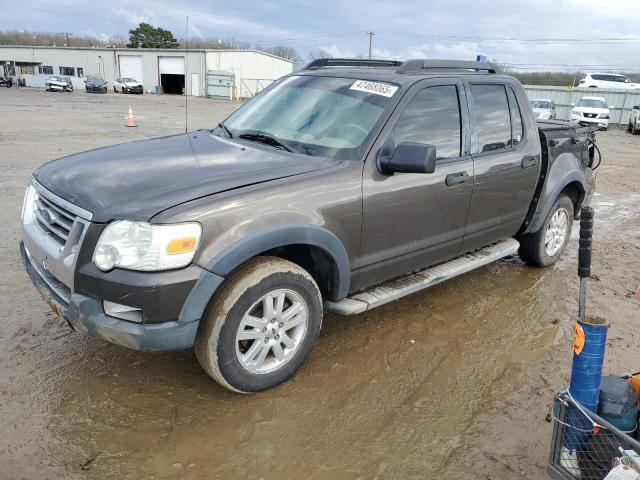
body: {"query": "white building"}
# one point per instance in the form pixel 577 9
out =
pixel 218 73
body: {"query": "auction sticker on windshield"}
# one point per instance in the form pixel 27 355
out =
pixel 374 87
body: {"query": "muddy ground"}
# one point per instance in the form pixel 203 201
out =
pixel 451 383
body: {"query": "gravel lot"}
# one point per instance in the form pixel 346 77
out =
pixel 454 382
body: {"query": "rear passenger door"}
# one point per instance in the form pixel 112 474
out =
pixel 506 160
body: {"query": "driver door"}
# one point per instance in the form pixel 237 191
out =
pixel 413 220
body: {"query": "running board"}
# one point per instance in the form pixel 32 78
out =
pixel 403 286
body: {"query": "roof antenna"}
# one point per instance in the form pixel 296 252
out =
pixel 186 76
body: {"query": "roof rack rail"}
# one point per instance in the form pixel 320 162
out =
pixel 350 62
pixel 416 65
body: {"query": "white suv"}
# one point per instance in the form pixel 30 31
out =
pixel 591 111
pixel 607 80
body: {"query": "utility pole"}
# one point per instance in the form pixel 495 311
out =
pixel 66 34
pixel 371 34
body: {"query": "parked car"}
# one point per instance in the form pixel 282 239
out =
pixel 96 85
pixel 591 111
pixel 6 82
pixel 544 109
pixel 634 120
pixel 607 80
pixel 127 85
pixel 322 193
pixel 58 83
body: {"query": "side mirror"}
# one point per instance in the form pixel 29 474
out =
pixel 572 104
pixel 409 157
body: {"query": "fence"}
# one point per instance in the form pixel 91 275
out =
pixel 621 102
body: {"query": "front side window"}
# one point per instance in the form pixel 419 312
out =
pixel 432 117
pixel 317 116
pixel 70 71
pixel 493 117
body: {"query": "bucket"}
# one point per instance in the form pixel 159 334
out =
pixel 618 404
pixel 635 384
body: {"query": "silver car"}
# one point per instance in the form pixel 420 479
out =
pixel 58 83
pixel 544 109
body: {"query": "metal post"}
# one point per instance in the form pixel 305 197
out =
pixel 371 34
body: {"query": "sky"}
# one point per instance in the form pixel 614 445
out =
pixel 526 34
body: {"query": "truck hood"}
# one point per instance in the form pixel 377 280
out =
pixel 137 180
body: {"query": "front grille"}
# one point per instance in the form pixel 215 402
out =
pixel 54 219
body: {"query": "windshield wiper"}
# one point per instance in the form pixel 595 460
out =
pixel 227 131
pixel 266 139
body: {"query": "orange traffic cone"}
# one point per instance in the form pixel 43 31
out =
pixel 131 121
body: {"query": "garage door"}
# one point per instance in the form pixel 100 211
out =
pixel 172 65
pixel 131 67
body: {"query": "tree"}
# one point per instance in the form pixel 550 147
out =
pixel 148 36
pixel 282 52
pixel 319 53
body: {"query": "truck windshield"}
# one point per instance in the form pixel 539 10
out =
pixel 592 103
pixel 318 116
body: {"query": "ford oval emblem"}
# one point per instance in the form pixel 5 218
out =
pixel 48 215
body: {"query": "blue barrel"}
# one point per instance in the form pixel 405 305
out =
pixel 586 375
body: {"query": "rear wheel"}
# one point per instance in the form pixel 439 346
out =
pixel 544 247
pixel 260 326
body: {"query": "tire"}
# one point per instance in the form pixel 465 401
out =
pixel 241 299
pixel 630 128
pixel 535 250
pixel 114 90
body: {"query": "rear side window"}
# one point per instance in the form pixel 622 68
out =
pixel 433 118
pixel 494 119
pixel 517 130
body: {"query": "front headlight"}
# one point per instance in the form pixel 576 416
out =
pixel 604 115
pixel 29 204
pixel 145 247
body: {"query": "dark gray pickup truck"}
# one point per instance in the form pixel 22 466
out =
pixel 341 187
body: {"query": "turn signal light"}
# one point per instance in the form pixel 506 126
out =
pixel 181 245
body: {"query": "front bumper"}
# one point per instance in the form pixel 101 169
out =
pixel 586 121
pixel 86 314
pixel 137 89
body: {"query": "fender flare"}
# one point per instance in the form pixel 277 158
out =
pixel 236 254
pixel 279 236
pixel 549 199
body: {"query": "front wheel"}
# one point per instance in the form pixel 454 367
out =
pixel 260 326
pixel 544 247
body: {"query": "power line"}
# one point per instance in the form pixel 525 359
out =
pixel 312 37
